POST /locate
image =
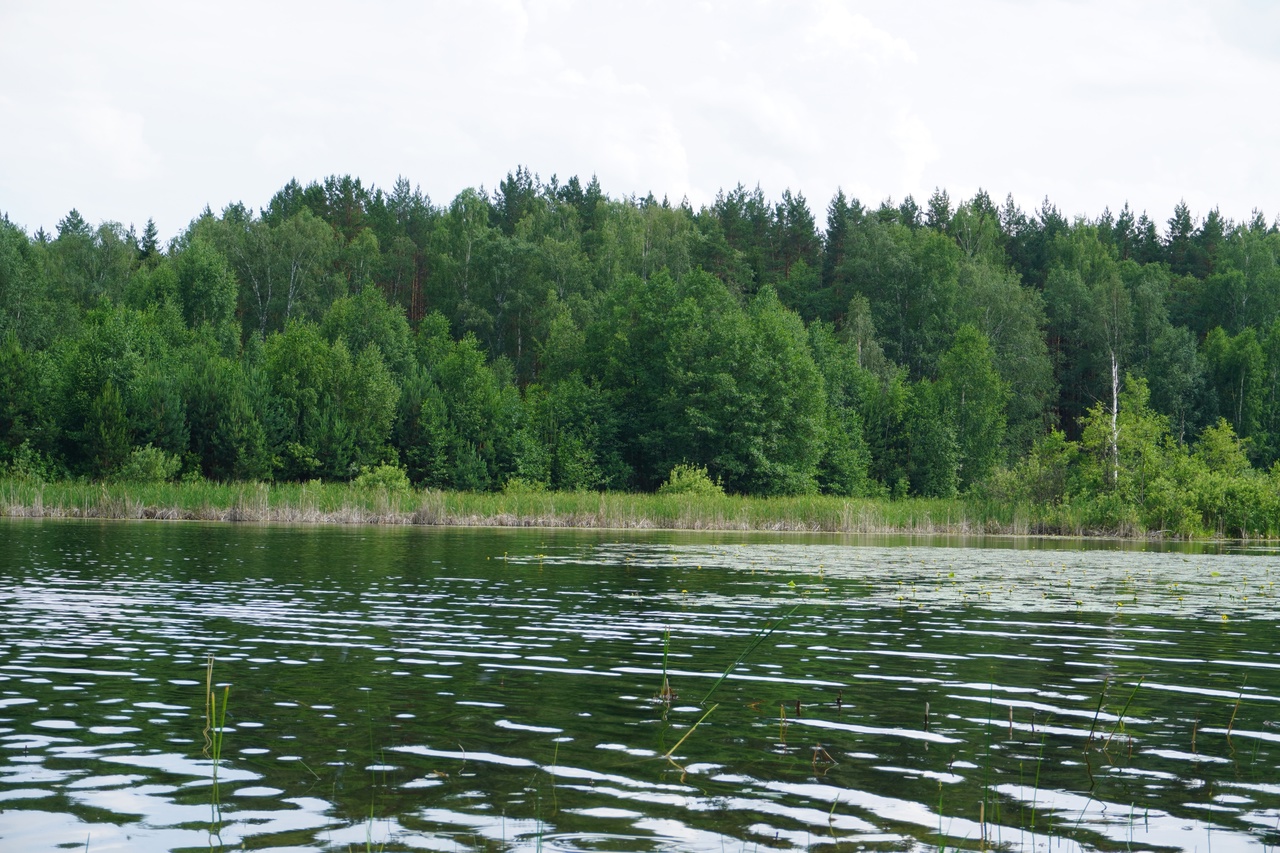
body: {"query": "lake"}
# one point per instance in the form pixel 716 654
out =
pixel 459 689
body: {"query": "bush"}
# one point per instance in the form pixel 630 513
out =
pixel 148 464
pixel 31 465
pixel 686 479
pixel 393 478
pixel 521 486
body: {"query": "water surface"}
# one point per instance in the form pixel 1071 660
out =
pixel 419 689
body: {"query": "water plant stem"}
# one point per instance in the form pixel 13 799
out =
pixel 760 637
pixel 666 694
pixel 1231 724
pixel 1097 712
pixel 1120 721
pixel 692 729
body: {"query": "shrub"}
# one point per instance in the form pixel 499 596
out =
pixel 393 478
pixel 148 464
pixel 522 486
pixel 686 479
pixel 31 465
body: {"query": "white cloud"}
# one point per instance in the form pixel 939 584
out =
pixel 916 145
pixel 116 136
pixel 836 26
pixel 144 109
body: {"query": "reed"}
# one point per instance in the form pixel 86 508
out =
pixel 1097 712
pixel 667 755
pixel 352 503
pixel 349 503
pixel 760 637
pixel 666 694
pixel 215 723
pixel 1235 710
pixel 1123 711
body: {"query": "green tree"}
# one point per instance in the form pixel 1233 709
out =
pixel 107 431
pixel 332 414
pixel 283 268
pixel 365 319
pixel 111 347
pixel 149 252
pixel 844 468
pixel 227 438
pixel 975 226
pixel 909 277
pixel 421 431
pixel 1236 368
pixel 934 456
pixel 1128 452
pixel 25 309
pixel 206 289
pixel 481 405
pixel 973 398
pixel 28 382
pixel 458 287
pixel 568 438
pixel 1176 373
pixel 1090 323
pixel 1012 318
pixel 776 429
pixel 157 413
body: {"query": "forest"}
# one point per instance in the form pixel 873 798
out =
pixel 544 335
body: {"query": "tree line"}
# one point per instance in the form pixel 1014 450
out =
pixel 546 335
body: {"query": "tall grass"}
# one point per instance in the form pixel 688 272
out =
pixel 346 503
pixel 343 503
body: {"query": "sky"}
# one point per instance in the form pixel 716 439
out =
pixel 135 110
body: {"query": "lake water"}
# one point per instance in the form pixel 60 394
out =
pixel 455 690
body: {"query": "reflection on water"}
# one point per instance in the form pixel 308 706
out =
pixel 498 690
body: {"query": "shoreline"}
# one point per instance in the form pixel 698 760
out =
pixel 345 504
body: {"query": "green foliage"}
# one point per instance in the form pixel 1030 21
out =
pixel 421 430
pixel 698 376
pixel 973 398
pixel 686 479
pixel 567 439
pixel 521 486
pixel 148 464
pixel 1236 368
pixel 26 312
pixel 227 439
pixel 27 385
pixel 909 276
pixel 1012 318
pixel 107 432
pixel 934 454
pixel 1044 475
pixel 548 335
pixel 367 319
pixel 206 288
pixel 331 414
pixel 282 266
pixel 30 465
pixel 393 478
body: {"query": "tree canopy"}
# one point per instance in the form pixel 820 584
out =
pixel 549 334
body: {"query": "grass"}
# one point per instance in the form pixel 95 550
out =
pixel 215 725
pixel 348 503
pixel 215 720
pixel 345 503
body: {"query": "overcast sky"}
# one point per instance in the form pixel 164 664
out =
pixel 130 110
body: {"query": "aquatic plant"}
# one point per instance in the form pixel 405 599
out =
pixel 760 637
pixel 214 732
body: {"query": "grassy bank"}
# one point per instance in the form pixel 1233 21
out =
pixel 343 503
